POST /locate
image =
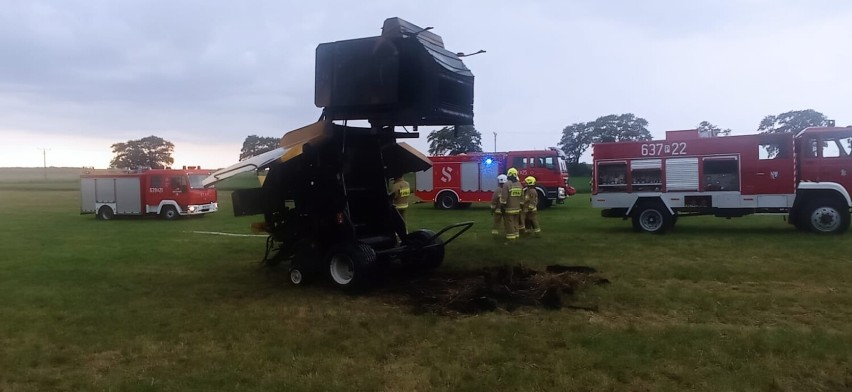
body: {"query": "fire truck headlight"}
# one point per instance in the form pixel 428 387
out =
pixel 192 208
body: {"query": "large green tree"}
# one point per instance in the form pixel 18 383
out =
pixel 793 121
pixel 256 145
pixel 705 127
pixel 620 128
pixel 576 139
pixel 454 140
pixel 149 152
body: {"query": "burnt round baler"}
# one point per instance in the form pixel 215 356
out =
pixel 325 197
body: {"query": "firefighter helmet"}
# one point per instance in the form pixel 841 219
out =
pixel 501 179
pixel 512 172
pixel 530 180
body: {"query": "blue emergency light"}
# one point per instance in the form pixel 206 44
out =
pixel 488 161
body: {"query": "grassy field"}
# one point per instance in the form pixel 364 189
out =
pixel 143 304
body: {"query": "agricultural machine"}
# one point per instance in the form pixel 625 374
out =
pixel 325 197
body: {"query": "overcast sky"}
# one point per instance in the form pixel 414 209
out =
pixel 79 75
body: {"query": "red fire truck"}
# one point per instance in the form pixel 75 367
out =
pixel 458 180
pixel 166 192
pixel 804 177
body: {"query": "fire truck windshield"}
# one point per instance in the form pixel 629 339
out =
pixel 195 181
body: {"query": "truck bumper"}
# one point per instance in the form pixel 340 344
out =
pixel 196 209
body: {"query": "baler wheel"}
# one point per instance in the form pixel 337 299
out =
pixel 352 266
pixel 428 250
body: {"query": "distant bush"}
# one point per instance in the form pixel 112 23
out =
pixel 581 169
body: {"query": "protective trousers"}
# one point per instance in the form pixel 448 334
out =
pixel 498 221
pixel 532 222
pixel 510 224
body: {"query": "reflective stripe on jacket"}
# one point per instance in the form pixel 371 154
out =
pixel 400 191
pixel 495 200
pixel 515 198
pixel 531 198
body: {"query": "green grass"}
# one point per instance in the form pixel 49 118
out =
pixel 581 184
pixel 145 304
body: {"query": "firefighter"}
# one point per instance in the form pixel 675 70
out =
pixel 530 213
pixel 399 192
pixel 496 211
pixel 510 203
pixel 512 172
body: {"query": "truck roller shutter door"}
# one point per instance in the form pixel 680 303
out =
pixel 87 195
pixel 423 180
pixel 488 176
pixel 470 176
pixel 128 195
pixel 645 164
pixel 105 190
pixel 682 174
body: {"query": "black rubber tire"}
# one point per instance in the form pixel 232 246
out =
pixel 826 216
pixel 297 277
pixel 429 258
pixel 543 202
pixel 169 213
pixel 795 219
pixel 105 213
pixel 352 267
pixel 652 218
pixel 446 201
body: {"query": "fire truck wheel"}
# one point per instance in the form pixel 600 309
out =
pixel 826 216
pixel 169 213
pixel 427 258
pixel 543 201
pixel 351 266
pixel 105 213
pixel 652 219
pixel 446 201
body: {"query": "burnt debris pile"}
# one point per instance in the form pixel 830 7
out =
pixel 495 288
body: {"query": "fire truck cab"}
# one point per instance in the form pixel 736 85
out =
pixel 803 177
pixel 459 180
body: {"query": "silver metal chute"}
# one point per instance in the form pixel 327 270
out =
pixel 254 163
pixel 291 146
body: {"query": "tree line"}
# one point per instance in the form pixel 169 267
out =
pixel 156 152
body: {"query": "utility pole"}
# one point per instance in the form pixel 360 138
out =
pixel 44 160
pixel 495 141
